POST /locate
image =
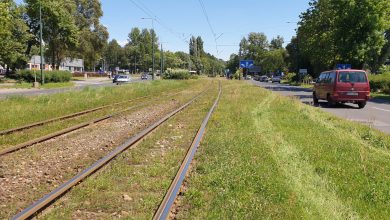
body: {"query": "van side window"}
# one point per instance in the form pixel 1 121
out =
pixel 325 80
pixel 322 78
pixel 332 77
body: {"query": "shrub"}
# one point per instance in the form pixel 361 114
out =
pixel 380 83
pixel 238 75
pixel 289 77
pixel 178 74
pixel 49 76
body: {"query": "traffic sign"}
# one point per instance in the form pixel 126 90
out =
pixel 246 63
pixel 343 66
pixel 302 71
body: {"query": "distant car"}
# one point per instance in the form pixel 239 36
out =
pixel 248 77
pixel 264 78
pixel 121 79
pixel 144 76
pixel 341 86
pixel 275 79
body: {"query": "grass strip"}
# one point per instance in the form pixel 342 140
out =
pixel 266 156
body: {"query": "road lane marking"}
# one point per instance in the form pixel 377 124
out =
pixel 381 109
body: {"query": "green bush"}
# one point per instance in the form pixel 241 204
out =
pixel 238 75
pixel 380 83
pixel 178 74
pixel 49 76
pixel 289 77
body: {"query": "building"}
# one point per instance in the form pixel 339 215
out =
pixel 35 62
pixel 2 69
pixel 68 64
pixel 72 65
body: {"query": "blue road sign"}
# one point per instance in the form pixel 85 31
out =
pixel 246 63
pixel 343 66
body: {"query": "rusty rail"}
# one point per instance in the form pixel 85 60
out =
pixel 12 130
pixel 170 197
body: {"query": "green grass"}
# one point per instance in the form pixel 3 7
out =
pixel 383 96
pixel 266 156
pixel 25 85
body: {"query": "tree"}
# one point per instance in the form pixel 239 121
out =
pixel 233 63
pixel 277 43
pixel 14 35
pixel 60 31
pixel 92 35
pixel 338 31
pixel 112 54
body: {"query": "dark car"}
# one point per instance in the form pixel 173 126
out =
pixel 276 79
pixel 144 76
pixel 342 86
pixel 264 78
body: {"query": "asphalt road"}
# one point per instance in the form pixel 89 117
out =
pixel 375 114
pixel 79 86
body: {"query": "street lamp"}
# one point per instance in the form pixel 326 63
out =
pixel 162 59
pixel 152 44
pixel 40 47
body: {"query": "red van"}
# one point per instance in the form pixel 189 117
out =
pixel 342 86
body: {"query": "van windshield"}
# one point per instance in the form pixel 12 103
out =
pixel 352 77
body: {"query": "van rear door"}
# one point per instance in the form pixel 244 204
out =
pixel 352 85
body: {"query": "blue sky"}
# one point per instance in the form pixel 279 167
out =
pixel 234 19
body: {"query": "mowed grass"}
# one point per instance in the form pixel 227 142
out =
pixel 269 157
pixel 18 110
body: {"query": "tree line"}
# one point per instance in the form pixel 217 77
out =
pixel 71 28
pixel 136 55
pixel 269 55
pixel 329 32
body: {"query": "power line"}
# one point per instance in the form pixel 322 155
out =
pixel 150 13
pixel 209 23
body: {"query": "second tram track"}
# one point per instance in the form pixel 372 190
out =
pixel 74 127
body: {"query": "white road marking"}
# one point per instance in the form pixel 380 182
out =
pixel 381 109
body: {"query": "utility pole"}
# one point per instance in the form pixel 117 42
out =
pixel 152 44
pixel 162 60
pixel 41 49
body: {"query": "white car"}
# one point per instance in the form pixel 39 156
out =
pixel 121 79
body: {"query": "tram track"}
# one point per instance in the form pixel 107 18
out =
pixel 74 127
pixel 43 202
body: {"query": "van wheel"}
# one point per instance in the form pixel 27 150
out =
pixel 331 103
pixel 362 104
pixel 315 99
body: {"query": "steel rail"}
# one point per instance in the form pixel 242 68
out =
pixel 60 190
pixel 62 132
pixel 12 130
pixel 67 130
pixel 170 197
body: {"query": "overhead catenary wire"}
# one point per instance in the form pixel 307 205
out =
pixel 150 13
pixel 209 23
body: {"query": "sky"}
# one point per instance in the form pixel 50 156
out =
pixel 230 21
pixel 176 20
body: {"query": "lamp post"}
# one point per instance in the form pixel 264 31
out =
pixel 40 47
pixel 162 59
pixel 152 44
